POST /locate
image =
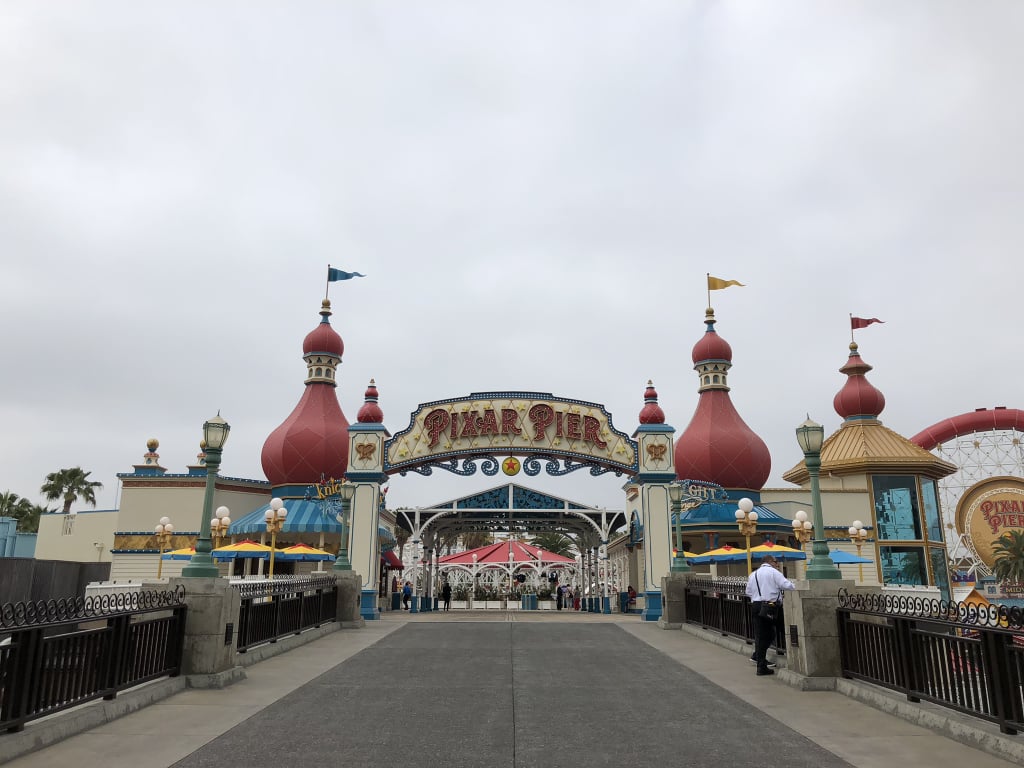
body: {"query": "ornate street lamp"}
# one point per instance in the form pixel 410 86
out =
pixel 347 491
pixel 803 531
pixel 274 518
pixel 811 435
pixel 746 521
pixel 164 530
pixel 859 535
pixel 219 525
pixel 675 495
pixel 215 434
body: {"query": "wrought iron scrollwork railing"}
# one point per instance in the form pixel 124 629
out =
pixel 965 657
pixel 62 653
pixel 33 613
pixel 274 609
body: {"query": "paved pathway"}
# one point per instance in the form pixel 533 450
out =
pixel 500 690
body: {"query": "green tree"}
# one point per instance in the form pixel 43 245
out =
pixel 476 539
pixel 21 509
pixel 1009 557
pixel 557 543
pixel 70 485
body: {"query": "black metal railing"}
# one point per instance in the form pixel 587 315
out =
pixel 965 657
pixel 62 653
pixel 720 604
pixel 274 609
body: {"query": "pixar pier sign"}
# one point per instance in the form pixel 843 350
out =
pixel 512 423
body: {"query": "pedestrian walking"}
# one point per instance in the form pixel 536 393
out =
pixel 446 596
pixel 406 595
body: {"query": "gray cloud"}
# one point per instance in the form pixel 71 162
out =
pixel 535 191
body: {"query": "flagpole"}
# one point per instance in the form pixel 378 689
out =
pixel 327 290
pixel 707 276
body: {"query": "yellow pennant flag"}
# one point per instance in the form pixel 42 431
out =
pixel 717 283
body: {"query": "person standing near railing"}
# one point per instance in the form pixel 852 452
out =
pixel 764 588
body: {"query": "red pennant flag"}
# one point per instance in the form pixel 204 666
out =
pixel 863 322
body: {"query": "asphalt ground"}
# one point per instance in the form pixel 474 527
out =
pixel 511 688
pixel 515 695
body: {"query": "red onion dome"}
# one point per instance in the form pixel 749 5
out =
pixel 311 443
pixel 370 413
pixel 651 413
pixel 858 399
pixel 719 447
pixel 323 339
pixel 711 346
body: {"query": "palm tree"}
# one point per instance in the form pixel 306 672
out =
pixel 401 538
pixel 25 512
pixel 476 539
pixel 70 485
pixel 557 543
pixel 1009 557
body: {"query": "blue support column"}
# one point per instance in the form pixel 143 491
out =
pixel 414 604
pixel 652 606
pixel 368 605
pixel 606 605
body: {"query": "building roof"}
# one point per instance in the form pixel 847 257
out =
pixel 864 446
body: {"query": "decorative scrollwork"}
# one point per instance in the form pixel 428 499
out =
pixel 64 610
pixel 735 585
pixel 286 586
pixel 967 614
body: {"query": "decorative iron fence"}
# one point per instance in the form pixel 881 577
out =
pixel 968 658
pixel 62 653
pixel 274 609
pixel 720 604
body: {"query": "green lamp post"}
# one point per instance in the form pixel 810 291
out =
pixel 810 435
pixel 346 491
pixel 215 434
pixel 675 495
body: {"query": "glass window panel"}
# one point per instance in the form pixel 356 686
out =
pixel 930 502
pixel 940 571
pixel 903 565
pixel 896 509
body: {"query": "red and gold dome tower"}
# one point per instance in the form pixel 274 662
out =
pixel 312 443
pixel 718 446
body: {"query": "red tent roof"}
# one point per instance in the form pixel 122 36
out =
pixel 498 554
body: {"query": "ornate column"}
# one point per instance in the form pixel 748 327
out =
pixel 366 473
pixel 652 502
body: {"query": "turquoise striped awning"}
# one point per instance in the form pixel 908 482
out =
pixel 303 517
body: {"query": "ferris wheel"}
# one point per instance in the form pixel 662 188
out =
pixel 984 443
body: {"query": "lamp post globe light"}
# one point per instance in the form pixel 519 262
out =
pixel 219 525
pixel 164 530
pixel 675 496
pixel 803 530
pixel 746 521
pixel 858 534
pixel 274 518
pixel 347 491
pixel 215 434
pixel 810 435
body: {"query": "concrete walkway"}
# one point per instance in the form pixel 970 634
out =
pixel 508 689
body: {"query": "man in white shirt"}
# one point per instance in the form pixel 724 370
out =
pixel 765 584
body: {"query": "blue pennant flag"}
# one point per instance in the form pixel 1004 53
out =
pixel 337 274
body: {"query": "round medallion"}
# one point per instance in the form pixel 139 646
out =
pixel 510 466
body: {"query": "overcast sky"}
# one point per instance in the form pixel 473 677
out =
pixel 535 191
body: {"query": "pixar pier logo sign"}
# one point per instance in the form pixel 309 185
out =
pixel 511 423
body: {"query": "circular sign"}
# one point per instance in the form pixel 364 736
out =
pixel 510 466
pixel 989 510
